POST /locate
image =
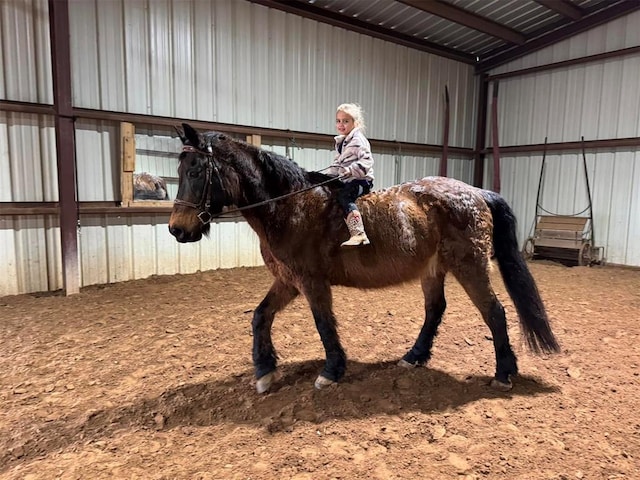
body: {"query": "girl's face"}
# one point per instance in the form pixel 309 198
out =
pixel 344 123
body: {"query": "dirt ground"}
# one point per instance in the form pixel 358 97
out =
pixel 152 379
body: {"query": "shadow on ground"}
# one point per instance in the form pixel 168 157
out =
pixel 368 389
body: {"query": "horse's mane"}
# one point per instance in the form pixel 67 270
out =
pixel 272 173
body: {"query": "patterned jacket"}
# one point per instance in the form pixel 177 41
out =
pixel 355 157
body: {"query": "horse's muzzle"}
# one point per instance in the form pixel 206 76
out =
pixel 183 236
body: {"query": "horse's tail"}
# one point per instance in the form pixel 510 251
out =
pixel 517 278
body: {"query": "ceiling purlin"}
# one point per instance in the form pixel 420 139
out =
pixel 468 19
pixel 563 7
pixel 564 30
pixel 359 26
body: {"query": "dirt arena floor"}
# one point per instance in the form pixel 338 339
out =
pixel 152 379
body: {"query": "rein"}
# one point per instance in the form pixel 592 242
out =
pixel 205 202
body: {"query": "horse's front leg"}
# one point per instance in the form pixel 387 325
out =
pixel 264 355
pixel 318 294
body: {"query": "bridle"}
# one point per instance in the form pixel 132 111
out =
pixel 204 215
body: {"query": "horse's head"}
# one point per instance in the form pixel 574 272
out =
pixel 201 194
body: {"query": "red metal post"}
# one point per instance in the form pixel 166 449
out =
pixel 494 139
pixel 445 139
pixel 65 142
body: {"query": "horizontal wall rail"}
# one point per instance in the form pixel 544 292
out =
pixel 141 119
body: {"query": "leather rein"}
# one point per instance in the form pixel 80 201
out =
pixel 205 202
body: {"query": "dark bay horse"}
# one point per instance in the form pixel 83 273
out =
pixel 418 230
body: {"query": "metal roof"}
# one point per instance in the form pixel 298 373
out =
pixel 485 33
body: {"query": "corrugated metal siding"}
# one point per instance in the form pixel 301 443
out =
pixel 261 67
pixel 27 158
pixel 29 256
pixel 115 249
pixel 615 188
pixel 25 51
pixel 598 100
pixel 227 61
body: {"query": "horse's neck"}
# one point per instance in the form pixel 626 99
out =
pixel 270 176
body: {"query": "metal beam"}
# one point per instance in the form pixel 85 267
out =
pixel 566 63
pixel 481 131
pixel 141 119
pixel 564 8
pixel 65 143
pixel 464 17
pixel 27 107
pixel 569 146
pixel 348 23
pixel 624 7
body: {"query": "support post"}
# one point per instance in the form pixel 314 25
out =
pixel 445 139
pixel 495 139
pixel 65 143
pixel 127 161
pixel 481 131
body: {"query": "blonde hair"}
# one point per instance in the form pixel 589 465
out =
pixel 354 111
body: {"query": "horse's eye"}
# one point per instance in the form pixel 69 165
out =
pixel 194 173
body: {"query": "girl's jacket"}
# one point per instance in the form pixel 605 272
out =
pixel 353 157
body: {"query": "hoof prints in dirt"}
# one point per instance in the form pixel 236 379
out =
pixel 367 390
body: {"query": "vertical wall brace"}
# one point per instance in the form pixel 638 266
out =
pixel 65 143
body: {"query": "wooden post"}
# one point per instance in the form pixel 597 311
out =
pixel 255 140
pixel 127 161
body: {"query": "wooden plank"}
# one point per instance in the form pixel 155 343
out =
pixel 255 140
pixel 126 188
pixel 561 220
pixel 560 227
pixel 558 243
pixel 566 234
pixel 127 134
pixel 127 162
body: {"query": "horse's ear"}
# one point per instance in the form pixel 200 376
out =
pixel 191 135
pixel 183 139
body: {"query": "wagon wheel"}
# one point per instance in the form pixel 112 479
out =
pixel 527 249
pixel 584 257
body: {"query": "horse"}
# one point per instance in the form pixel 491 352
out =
pixel 149 187
pixel 421 229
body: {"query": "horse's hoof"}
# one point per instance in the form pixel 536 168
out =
pixel 322 382
pixel 404 364
pixel 263 384
pixel 501 386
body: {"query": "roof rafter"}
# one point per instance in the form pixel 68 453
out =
pixel 468 19
pixel 563 7
pixel 605 15
pixel 353 24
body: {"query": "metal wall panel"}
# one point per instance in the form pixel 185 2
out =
pixel 237 62
pixel 615 189
pixel 128 247
pixel 25 51
pixel 27 158
pixel 598 100
pixel 30 254
pixel 228 61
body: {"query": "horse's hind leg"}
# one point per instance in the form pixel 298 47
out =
pixel 434 305
pixel 477 284
pixel 264 355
